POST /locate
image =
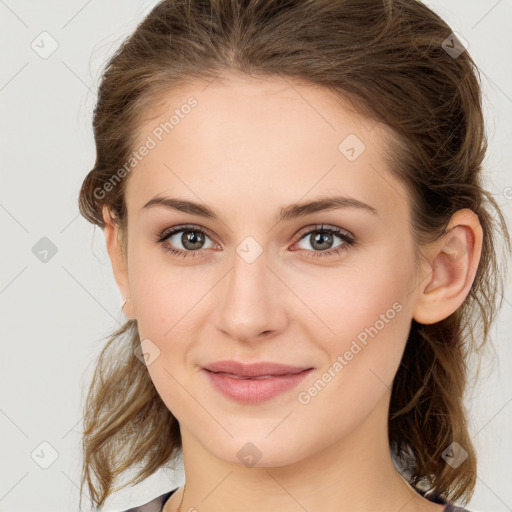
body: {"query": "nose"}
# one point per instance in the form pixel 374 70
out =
pixel 251 302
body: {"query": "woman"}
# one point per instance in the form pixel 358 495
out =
pixel 292 203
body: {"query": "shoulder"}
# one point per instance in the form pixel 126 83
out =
pixel 448 507
pixel 155 505
pixel 453 508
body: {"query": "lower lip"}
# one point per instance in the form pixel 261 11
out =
pixel 254 391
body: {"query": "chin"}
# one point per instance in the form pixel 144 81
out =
pixel 257 452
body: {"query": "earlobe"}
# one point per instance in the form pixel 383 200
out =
pixel 454 262
pixel 117 259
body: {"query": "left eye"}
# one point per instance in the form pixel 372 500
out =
pixel 322 238
pixel 193 239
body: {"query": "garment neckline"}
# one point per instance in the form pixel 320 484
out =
pixel 448 507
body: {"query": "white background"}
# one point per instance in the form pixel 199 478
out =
pixel 55 314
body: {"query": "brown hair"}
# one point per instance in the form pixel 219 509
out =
pixel 390 61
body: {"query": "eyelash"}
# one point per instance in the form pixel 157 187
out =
pixel 342 234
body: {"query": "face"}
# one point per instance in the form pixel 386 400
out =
pixel 329 289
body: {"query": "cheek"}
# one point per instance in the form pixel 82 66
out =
pixel 351 302
pixel 361 359
pixel 161 292
pixel 365 314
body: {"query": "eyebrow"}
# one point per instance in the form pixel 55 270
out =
pixel 287 213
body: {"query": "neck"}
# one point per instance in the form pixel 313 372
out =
pixel 356 473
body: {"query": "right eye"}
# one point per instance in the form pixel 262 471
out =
pixel 191 238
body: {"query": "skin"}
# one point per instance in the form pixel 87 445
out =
pixel 249 148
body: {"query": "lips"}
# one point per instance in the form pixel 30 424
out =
pixel 256 389
pixel 256 371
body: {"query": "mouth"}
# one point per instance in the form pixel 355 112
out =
pixel 256 389
pixel 264 369
pixel 261 377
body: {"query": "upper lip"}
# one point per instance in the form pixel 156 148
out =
pixel 254 369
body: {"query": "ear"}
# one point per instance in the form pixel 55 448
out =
pixel 118 261
pixel 453 262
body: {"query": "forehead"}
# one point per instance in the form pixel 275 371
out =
pixel 240 140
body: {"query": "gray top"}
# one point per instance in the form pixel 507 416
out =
pixel 157 504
